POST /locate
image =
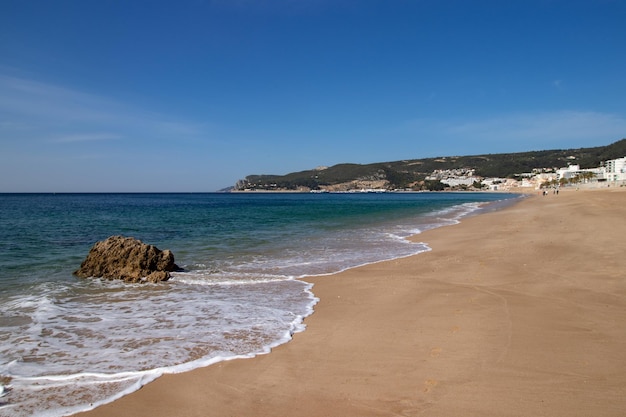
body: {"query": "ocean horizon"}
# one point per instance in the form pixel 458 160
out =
pixel 70 344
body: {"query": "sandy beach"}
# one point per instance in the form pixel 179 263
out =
pixel 518 312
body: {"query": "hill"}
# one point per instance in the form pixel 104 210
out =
pixel 412 174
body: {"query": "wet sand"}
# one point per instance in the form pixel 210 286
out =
pixel 519 312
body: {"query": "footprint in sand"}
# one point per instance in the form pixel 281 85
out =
pixel 435 352
pixel 429 384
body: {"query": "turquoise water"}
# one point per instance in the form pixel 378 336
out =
pixel 68 344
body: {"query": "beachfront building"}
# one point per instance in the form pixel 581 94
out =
pixel 500 184
pixel 494 184
pixel 568 173
pixel 528 183
pixel 615 170
pixel 573 173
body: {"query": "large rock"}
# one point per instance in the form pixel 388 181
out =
pixel 128 259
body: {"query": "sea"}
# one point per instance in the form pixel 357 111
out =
pixel 69 344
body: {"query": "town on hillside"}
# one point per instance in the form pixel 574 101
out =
pixel 610 173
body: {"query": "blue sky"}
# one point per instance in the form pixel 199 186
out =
pixel 193 95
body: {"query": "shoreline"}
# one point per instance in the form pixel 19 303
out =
pixel 504 316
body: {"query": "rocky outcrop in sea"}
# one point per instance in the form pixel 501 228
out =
pixel 127 259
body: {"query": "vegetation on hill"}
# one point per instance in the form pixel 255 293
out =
pixel 412 173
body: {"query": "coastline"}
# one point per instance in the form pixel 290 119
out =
pixel 519 311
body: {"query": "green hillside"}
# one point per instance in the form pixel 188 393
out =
pixel 412 173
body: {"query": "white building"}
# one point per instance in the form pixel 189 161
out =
pixel 615 169
pixel 570 172
pixel 574 171
pixel 458 181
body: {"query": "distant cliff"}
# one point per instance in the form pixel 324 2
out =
pixel 412 174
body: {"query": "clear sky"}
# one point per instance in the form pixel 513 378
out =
pixel 104 95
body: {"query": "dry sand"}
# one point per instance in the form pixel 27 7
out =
pixel 520 312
